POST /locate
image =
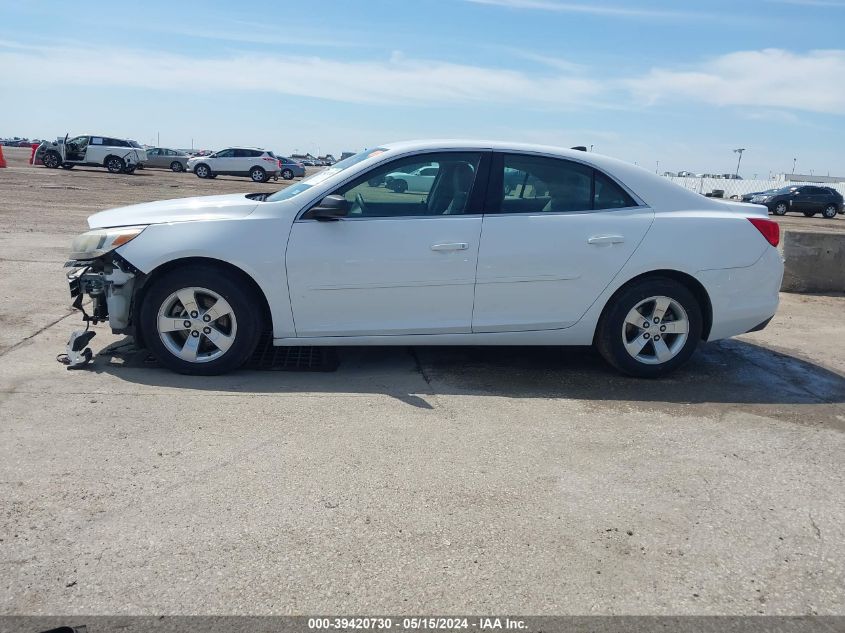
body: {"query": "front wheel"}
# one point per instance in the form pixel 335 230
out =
pixel 830 211
pixel 200 320
pixel 202 171
pixel 52 160
pixel 780 208
pixel 650 328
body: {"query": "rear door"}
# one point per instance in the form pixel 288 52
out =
pixel 555 233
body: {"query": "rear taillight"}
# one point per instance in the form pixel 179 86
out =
pixel 280 164
pixel 768 229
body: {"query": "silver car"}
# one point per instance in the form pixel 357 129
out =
pixel 166 158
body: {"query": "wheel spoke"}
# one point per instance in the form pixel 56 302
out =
pixel 169 324
pixel 661 350
pixel 661 304
pixel 188 300
pixel 636 346
pixel 220 309
pixel 681 326
pixel 221 340
pixel 190 348
pixel 635 318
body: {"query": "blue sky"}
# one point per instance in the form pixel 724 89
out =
pixel 646 81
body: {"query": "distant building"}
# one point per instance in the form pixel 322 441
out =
pixel 808 178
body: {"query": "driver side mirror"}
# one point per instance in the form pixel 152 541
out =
pixel 329 209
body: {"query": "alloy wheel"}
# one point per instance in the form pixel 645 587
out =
pixel 196 324
pixel 655 330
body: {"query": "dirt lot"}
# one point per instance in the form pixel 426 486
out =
pixel 530 481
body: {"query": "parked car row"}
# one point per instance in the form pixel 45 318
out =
pixel 125 156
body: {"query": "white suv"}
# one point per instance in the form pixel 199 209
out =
pixel 259 164
pixel 115 154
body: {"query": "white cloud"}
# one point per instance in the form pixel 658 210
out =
pixel 395 80
pixel 770 78
pixel 588 8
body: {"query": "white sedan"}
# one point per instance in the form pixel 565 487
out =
pixel 578 249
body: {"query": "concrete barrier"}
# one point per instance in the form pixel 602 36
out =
pixel 814 261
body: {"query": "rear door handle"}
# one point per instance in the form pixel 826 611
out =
pixel 600 240
pixel 450 246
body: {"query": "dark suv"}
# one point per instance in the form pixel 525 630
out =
pixel 808 199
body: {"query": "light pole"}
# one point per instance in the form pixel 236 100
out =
pixel 657 167
pixel 738 151
pixel 794 161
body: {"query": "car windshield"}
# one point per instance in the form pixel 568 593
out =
pixel 316 179
pixel 786 189
pixel 135 145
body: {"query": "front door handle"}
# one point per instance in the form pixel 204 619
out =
pixel 451 246
pixel 600 240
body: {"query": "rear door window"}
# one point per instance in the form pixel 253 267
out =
pixel 540 184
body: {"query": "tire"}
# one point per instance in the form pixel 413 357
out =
pixel 192 350
pixel 52 160
pixel 830 211
pixel 780 208
pixel 176 166
pixel 68 165
pixel 809 214
pixel 115 164
pixel 287 174
pixel 399 186
pixel 202 171
pixel 257 174
pixel 617 333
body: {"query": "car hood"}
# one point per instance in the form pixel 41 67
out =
pixel 226 207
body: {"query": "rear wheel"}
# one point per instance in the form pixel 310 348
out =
pixel 201 320
pixel 287 174
pixel 176 166
pixel 780 208
pixel 829 211
pixel 52 160
pixel 258 174
pixel 115 164
pixel 650 328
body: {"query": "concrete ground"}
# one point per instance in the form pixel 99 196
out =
pixel 425 480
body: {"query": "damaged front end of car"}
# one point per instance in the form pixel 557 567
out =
pixel 103 275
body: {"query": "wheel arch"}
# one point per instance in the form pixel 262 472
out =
pixel 691 283
pixel 150 278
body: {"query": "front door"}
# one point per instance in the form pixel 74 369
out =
pixel 555 233
pixel 400 262
pixel 76 149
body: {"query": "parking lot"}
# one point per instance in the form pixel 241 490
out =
pixel 425 480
